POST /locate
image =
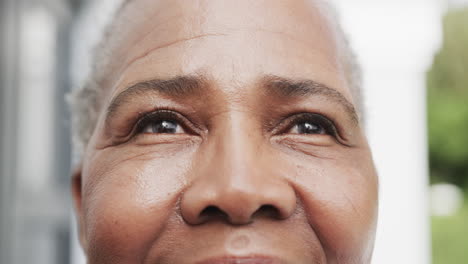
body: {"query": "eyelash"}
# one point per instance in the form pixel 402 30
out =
pixel 285 124
pixel 162 115
pixel 295 119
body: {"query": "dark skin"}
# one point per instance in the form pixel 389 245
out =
pixel 227 134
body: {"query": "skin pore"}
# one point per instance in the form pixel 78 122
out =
pixel 227 134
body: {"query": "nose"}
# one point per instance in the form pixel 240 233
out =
pixel 237 203
pixel 236 184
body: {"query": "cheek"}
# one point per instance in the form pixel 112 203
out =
pixel 127 206
pixel 340 200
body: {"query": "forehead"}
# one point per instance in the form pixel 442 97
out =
pixel 228 40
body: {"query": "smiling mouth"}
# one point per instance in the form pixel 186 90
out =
pixel 242 260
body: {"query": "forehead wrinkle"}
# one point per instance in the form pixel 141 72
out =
pixel 290 88
pixel 163 16
pixel 202 30
pixel 162 46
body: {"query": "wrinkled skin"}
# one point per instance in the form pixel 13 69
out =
pixel 214 160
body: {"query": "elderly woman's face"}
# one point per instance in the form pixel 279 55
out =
pixel 227 135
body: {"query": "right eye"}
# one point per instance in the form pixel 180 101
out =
pixel 163 127
pixel 310 124
pixel 161 122
pixel 309 128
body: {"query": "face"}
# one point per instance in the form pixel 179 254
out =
pixel 227 134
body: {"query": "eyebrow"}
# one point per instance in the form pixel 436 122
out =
pixel 183 86
pixel 285 87
pixel 180 86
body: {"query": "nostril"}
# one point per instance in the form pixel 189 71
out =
pixel 212 213
pixel 268 211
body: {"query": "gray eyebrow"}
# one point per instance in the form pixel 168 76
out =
pixel 180 86
pixel 285 87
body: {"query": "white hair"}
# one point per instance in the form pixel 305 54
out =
pixel 85 101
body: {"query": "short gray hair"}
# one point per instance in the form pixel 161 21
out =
pixel 85 101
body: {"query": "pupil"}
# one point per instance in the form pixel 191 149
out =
pixel 167 127
pixel 309 128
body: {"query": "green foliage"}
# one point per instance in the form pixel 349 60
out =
pixel 447 82
pixel 449 238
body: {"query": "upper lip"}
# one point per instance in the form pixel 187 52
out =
pixel 241 260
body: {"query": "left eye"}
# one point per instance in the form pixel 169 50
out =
pixel 310 124
pixel 307 127
pixel 163 127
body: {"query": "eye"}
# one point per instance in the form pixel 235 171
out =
pixel 307 127
pixel 310 124
pixel 161 122
pixel 163 127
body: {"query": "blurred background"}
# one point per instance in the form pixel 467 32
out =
pixel 415 59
